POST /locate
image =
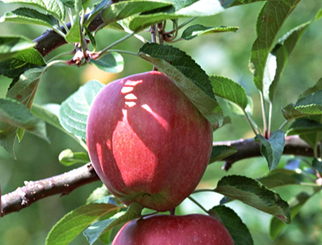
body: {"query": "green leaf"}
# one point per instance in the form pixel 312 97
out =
pixel 276 226
pixel 253 193
pixel 307 105
pixel 304 126
pixel 11 45
pixel 74 110
pixel 93 232
pixel 311 90
pixel 30 17
pixel 312 139
pixel 318 15
pixel 54 7
pixel 189 8
pixel 74 35
pixel 281 177
pixel 73 223
pixel 242 2
pixel 269 21
pixel 229 90
pixel 198 30
pixel 111 62
pixel 237 110
pixel 317 164
pixel 98 8
pixel 272 148
pixel 278 58
pixel 237 229
pixel 48 113
pixel 187 75
pixel 68 157
pixel 124 9
pixel 307 128
pixel 15 115
pixel 220 152
pixel 24 89
pixel 98 194
pixel 8 138
pixel 21 62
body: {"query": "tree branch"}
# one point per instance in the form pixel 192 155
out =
pixel 65 183
pixel 33 191
pixel 248 148
pixel 50 40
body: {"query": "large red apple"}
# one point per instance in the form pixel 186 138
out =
pixel 174 230
pixel 147 142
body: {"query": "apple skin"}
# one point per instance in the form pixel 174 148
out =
pixel 147 142
pixel 190 229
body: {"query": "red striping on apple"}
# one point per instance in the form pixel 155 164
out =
pixel 191 229
pixel 147 142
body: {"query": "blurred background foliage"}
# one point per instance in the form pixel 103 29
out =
pixel 224 54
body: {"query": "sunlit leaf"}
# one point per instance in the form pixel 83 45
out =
pixel 73 223
pixel 54 7
pixel 189 8
pixel 123 9
pixel 278 58
pixel 198 30
pixel 269 21
pixel 74 110
pixel 48 113
pixel 30 17
pixel 68 157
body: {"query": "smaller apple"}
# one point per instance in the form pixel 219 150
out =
pixel 190 229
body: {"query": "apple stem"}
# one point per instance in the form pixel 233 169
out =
pixel 198 204
pixel 172 211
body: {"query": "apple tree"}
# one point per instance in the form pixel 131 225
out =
pixel 265 150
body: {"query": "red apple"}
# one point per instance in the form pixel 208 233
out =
pixel 174 230
pixel 147 142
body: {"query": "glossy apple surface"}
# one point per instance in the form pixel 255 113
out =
pixel 147 142
pixel 174 230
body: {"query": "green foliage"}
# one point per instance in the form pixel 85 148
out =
pixel 74 111
pixel 12 45
pixel 272 148
pixel 255 194
pixel 189 77
pixel 233 223
pixel 198 30
pixel 102 215
pixel 77 220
